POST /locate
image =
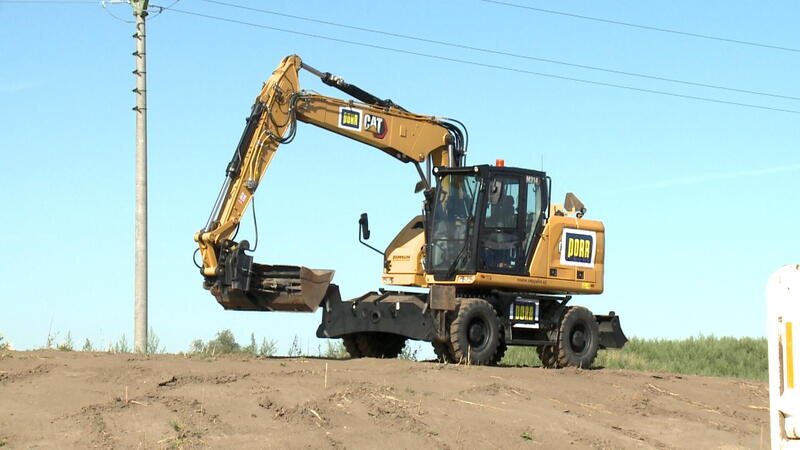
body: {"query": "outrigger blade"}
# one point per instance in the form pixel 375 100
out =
pixel 244 285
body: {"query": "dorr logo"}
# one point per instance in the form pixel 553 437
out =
pixel 578 248
pixel 375 124
pixel 350 118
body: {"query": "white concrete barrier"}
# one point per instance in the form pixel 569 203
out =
pixel 783 328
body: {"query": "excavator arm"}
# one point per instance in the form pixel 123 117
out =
pixel 229 272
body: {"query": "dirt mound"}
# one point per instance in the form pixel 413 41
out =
pixel 79 400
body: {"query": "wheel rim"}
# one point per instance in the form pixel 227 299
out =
pixel 477 334
pixel 577 339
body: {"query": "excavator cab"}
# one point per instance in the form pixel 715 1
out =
pixel 484 219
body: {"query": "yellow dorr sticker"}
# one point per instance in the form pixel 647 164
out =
pixel 350 118
pixel 578 247
pixel 525 311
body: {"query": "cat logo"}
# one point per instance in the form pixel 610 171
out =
pixel 350 118
pixel 578 247
pixel 375 124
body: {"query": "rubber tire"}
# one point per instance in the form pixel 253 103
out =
pixel 380 345
pixel 547 355
pixel 578 319
pixel 469 312
pixel 350 342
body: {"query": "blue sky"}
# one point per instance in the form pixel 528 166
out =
pixel 698 198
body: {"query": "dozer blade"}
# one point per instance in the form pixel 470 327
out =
pixel 244 285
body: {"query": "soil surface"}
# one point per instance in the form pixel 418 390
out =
pixel 52 399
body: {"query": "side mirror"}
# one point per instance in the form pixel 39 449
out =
pixel 363 221
pixel 363 231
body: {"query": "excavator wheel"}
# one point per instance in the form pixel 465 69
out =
pixel 578 338
pixel 350 342
pixel 378 345
pixel 547 355
pixel 475 334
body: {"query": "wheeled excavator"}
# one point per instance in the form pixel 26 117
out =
pixel 500 262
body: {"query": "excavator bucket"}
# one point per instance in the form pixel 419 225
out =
pixel 244 285
pixel 290 288
pixel 611 335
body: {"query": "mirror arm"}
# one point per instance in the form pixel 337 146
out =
pixel 361 227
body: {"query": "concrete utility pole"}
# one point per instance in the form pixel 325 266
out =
pixel 140 234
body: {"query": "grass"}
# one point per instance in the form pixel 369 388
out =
pixel 153 345
pixel 702 355
pixel 183 436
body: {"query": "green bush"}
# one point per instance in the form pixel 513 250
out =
pixel 294 349
pixel 409 352
pixel 121 346
pixel 67 345
pixel 335 350
pixel 225 343
pixel 252 348
pixel 702 355
pixel 154 344
pixel 268 348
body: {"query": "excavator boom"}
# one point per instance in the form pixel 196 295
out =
pixel 229 271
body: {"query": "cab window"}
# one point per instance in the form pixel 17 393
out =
pixel 501 243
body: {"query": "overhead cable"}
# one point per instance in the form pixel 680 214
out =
pixel 486 65
pixel 500 52
pixel 645 27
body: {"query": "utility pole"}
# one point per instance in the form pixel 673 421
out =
pixel 140 233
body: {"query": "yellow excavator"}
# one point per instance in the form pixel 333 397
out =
pixel 500 262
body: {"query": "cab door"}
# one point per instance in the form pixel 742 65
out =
pixel 501 241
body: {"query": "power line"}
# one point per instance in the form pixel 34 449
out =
pixel 503 53
pixel 103 4
pixel 645 27
pixel 161 9
pixel 486 65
